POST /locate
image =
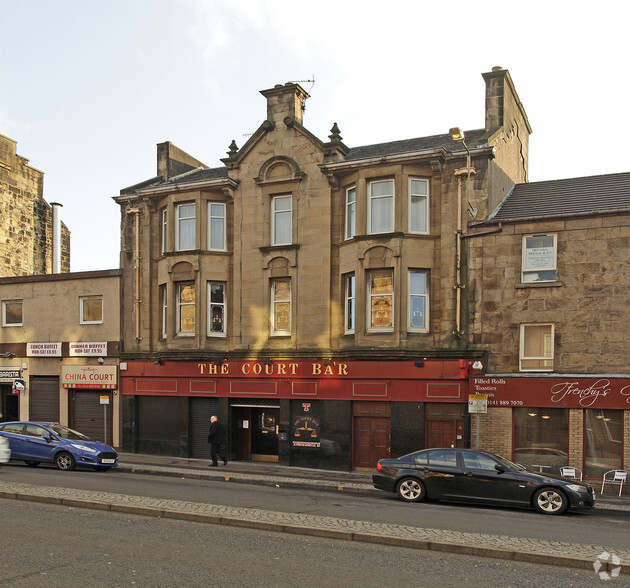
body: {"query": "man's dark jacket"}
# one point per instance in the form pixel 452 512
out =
pixel 216 434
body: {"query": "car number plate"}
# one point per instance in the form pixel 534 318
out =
pixel 108 461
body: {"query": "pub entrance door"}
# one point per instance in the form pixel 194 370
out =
pixel 371 429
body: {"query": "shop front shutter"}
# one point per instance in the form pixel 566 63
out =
pixel 201 409
pixel 88 414
pixel 44 399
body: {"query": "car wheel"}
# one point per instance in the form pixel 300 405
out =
pixel 64 461
pixel 32 464
pixel 550 501
pixel 101 469
pixel 411 490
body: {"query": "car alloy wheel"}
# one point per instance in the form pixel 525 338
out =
pixel 64 461
pixel 411 490
pixel 550 501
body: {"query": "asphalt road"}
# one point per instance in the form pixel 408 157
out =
pixel 605 528
pixel 56 546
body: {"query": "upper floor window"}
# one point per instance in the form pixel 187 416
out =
pixel 536 348
pixel 163 231
pixel 91 310
pixel 281 220
pixel 216 226
pixel 163 310
pixel 381 206
pixel 350 304
pixel 281 306
pixel 351 212
pixel 418 205
pixel 539 258
pixel 185 227
pixel 381 300
pixel 186 308
pixel 216 310
pixel 12 313
pixel 418 301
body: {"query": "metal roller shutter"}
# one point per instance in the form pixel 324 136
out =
pixel 44 399
pixel 88 414
pixel 201 409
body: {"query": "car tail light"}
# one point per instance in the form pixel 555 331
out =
pixel 379 467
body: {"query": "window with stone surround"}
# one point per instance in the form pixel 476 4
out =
pixel 163 228
pixel 418 301
pixel 91 310
pixel 216 226
pixel 185 227
pixel 381 206
pixel 281 219
pixel 216 309
pixel 12 313
pixel 381 300
pixel 350 303
pixel 186 308
pixel 539 258
pixel 281 306
pixel 163 297
pixel 418 205
pixel 536 347
pixel 351 212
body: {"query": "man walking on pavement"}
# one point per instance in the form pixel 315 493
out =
pixel 216 438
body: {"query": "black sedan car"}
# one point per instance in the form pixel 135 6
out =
pixel 467 475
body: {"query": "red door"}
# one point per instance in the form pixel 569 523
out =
pixel 371 441
pixel 441 433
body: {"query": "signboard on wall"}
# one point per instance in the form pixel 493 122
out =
pixel 82 349
pixel 102 377
pixel 8 375
pixel 43 349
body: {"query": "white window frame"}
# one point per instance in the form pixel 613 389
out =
pixel 350 303
pixel 164 310
pixel 423 295
pixel 276 215
pixel 351 212
pixel 537 260
pixel 181 304
pixel 425 229
pixel 371 295
pixel 82 320
pixel 185 219
pixel 372 199
pixel 4 313
pixel 274 328
pixel 164 229
pixel 212 305
pixel 548 348
pixel 222 230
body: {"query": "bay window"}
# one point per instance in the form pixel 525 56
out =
pixel 381 300
pixel 216 310
pixel 350 304
pixel 418 301
pixel 351 212
pixel 185 227
pixel 381 206
pixel 186 308
pixel 418 206
pixel 216 226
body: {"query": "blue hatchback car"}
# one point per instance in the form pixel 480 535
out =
pixel 35 443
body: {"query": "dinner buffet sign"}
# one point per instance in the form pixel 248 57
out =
pixel 560 392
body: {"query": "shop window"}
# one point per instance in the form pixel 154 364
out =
pixel 186 308
pixel 603 441
pixel 418 301
pixel 216 226
pixel 351 212
pixel 281 219
pixel 539 258
pixel 163 297
pixel 418 206
pixel 185 227
pixel 163 227
pixel 12 313
pixel 381 300
pixel 541 438
pixel 536 348
pixel 281 306
pixel 350 303
pixel 216 312
pixel 91 310
pixel 381 206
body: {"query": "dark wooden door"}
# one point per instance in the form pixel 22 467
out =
pixel 371 441
pixel 441 433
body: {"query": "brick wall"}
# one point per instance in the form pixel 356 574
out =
pixel 495 431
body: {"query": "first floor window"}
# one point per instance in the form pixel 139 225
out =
pixel 186 215
pixel 91 309
pixel 541 438
pixel 12 313
pixel 216 226
pixel 186 308
pixel 381 206
pixel 418 206
pixel 603 441
pixel 536 348
pixel 350 304
pixel 281 220
pixel 216 314
pixel 381 300
pixel 351 212
pixel 539 258
pixel 163 309
pixel 418 301
pixel 281 306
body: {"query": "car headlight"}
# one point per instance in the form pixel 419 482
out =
pixel 84 448
pixel 576 487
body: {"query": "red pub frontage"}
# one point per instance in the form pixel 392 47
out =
pixel 323 414
pixel 552 421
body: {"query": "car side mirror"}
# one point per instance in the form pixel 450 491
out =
pixel 501 469
pixel 48 438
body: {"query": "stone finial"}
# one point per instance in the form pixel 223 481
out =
pixel 335 136
pixel 233 149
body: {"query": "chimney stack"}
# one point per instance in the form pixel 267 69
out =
pixel 56 230
pixel 285 102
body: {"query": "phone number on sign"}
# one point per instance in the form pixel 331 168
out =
pixel 505 403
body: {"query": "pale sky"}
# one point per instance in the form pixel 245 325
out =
pixel 88 88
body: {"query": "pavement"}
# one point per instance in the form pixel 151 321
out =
pixel 568 554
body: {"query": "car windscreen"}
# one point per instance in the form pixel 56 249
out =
pixel 66 433
pixel 510 464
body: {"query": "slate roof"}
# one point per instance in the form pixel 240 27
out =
pixel 574 196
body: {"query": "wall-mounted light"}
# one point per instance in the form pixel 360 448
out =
pixel 267 362
pixel 328 361
pixel 101 361
pixel 418 363
pixel 157 362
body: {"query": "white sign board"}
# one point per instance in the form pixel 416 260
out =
pixel 82 349
pixel 477 403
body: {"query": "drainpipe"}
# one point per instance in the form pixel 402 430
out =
pixel 56 237
pixel 136 265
